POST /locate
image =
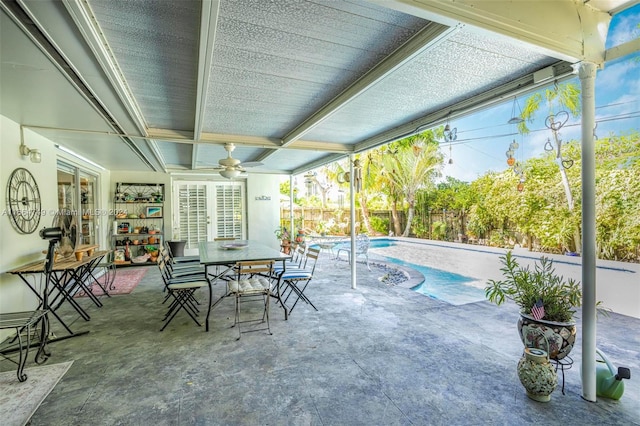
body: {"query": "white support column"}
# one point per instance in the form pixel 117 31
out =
pixel 587 73
pixel 291 230
pixel 352 216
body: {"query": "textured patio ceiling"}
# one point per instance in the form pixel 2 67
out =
pixel 163 85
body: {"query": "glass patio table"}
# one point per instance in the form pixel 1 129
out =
pixel 223 255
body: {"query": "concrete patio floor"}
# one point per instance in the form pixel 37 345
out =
pixel 375 355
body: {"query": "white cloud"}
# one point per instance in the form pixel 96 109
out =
pixel 624 29
pixel 619 75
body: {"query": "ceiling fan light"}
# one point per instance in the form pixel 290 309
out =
pixel 230 173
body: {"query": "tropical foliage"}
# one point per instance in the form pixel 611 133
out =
pixel 559 102
pixel 412 167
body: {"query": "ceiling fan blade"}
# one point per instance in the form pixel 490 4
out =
pixel 251 164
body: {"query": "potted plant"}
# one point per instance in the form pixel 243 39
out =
pixel 322 228
pixel 285 238
pixel 547 303
pixel 152 251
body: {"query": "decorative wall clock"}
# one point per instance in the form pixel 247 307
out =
pixel 23 201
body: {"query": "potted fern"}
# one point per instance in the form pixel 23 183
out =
pixel 547 303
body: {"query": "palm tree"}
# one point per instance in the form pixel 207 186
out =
pixel 386 184
pixel 566 96
pixel 370 169
pixel 411 168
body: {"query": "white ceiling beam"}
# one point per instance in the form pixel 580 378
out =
pixel 428 37
pixel 87 24
pixel 561 71
pixel 208 24
pixel 569 30
pixel 28 21
pixel 319 163
pixel 164 135
pixel 153 146
pixel 248 141
pixel 85 20
pixel 622 50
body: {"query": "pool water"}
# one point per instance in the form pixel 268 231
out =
pixel 449 287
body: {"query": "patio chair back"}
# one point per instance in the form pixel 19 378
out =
pixel 293 282
pixel 362 244
pixel 180 290
pixel 253 279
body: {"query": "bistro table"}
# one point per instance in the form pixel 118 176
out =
pixel 68 276
pixel 326 242
pixel 225 254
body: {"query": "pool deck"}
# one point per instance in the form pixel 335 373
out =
pixel 375 355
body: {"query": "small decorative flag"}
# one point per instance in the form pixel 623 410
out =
pixel 538 310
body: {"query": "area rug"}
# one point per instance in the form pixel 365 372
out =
pixel 125 281
pixel 18 401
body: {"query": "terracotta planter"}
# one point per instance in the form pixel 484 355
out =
pixel 561 335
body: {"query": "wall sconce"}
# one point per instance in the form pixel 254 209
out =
pixel 34 155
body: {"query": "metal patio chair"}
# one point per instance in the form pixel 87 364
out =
pixel 362 249
pixel 253 280
pixel 292 282
pixel 182 289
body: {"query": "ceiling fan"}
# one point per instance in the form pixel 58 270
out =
pixel 232 167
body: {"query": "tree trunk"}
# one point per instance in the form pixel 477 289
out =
pixel 577 241
pixel 365 213
pixel 396 219
pixel 409 220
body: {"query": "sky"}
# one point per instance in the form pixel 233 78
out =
pixel 484 137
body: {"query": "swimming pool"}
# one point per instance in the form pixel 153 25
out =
pixel 449 287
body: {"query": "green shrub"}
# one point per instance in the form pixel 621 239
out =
pixel 380 224
pixel 438 230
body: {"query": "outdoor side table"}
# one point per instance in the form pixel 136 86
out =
pixel 26 323
pixel 67 277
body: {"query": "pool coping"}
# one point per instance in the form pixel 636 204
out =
pixel 519 252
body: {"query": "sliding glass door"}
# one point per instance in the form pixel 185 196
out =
pixel 77 192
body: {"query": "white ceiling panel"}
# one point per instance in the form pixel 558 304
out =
pixel 289 58
pixel 155 44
